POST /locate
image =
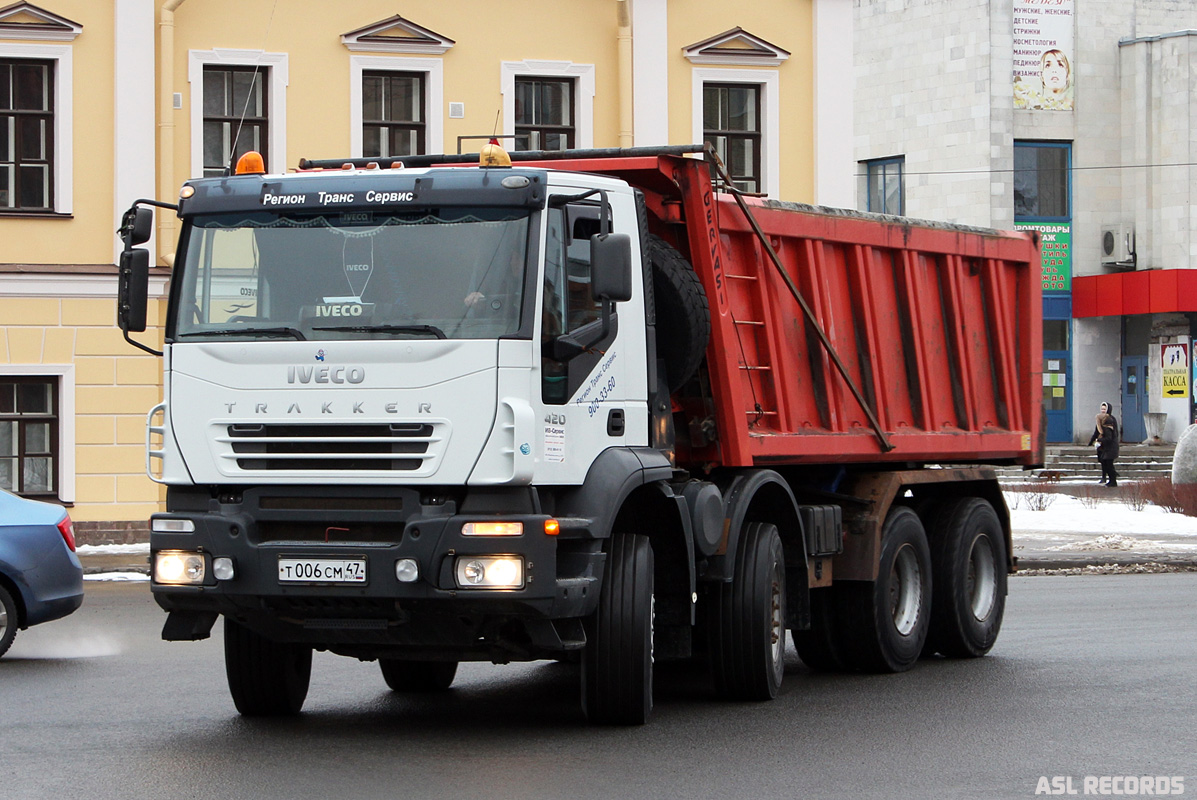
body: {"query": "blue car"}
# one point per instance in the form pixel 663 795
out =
pixel 40 575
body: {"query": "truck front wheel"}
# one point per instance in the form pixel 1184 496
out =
pixel 748 626
pixel 418 676
pixel 886 621
pixel 969 565
pixel 266 679
pixel 617 664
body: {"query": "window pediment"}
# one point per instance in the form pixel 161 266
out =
pixel 738 47
pixel 396 35
pixel 27 21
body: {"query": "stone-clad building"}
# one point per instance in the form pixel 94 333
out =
pixel 1074 117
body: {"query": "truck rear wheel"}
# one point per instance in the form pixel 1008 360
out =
pixel 886 621
pixel 682 312
pixel 266 679
pixel 818 647
pixel 418 676
pixel 968 563
pixel 748 629
pixel 617 664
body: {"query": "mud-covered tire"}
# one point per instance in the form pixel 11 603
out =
pixel 884 623
pixel 968 565
pixel 266 679
pixel 683 316
pixel 748 634
pixel 617 663
pixel 819 647
pixel 417 676
pixel 9 621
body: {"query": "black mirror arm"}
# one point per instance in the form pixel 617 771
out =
pixel 141 346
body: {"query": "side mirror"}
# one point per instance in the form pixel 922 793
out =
pixel 611 267
pixel 138 225
pixel 133 289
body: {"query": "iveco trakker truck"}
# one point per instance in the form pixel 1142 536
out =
pixel 591 406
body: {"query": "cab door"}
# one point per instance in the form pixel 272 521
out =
pixel 594 400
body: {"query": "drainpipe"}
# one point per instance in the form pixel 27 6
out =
pixel 166 130
pixel 624 17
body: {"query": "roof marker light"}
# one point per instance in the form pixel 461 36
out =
pixel 251 164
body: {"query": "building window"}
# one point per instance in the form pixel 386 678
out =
pixel 26 135
pixel 544 113
pixel 731 121
pixel 1042 180
pixel 393 114
pixel 28 435
pixel 235 116
pixel 886 188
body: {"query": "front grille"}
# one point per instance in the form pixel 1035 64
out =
pixel 332 532
pixel 398 447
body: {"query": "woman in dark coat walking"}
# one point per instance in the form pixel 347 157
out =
pixel 1105 433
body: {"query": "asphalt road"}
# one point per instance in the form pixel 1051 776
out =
pixel 1092 676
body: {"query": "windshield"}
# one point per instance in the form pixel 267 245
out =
pixel 433 273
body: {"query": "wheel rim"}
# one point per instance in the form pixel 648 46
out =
pixel 981 586
pixel 3 620
pixel 905 595
pixel 777 630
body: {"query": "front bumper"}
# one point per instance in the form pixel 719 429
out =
pixel 433 614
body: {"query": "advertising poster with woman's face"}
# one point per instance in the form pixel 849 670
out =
pixel 1043 47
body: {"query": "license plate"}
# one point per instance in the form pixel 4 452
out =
pixel 322 570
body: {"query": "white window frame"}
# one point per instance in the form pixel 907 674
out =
pixel 66 417
pixel 434 96
pixel 275 66
pixel 583 77
pixel 64 130
pixel 770 82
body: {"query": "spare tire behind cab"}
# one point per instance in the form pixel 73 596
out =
pixel 683 315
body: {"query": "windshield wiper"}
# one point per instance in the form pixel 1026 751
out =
pixel 432 329
pixel 294 333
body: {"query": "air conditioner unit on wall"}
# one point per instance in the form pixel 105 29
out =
pixel 1118 246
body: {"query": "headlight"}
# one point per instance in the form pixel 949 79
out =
pixel 178 567
pixel 490 572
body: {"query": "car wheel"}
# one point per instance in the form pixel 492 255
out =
pixel 968 562
pixel 417 676
pixel 266 678
pixel 8 620
pixel 819 647
pixel 748 627
pixel 617 664
pixel 885 621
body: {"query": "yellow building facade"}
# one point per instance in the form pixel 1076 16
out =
pixel 104 103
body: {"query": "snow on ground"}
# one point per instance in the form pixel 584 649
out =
pixel 113 549
pixel 1067 514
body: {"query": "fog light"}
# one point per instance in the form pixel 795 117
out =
pixel 492 529
pixel 164 525
pixel 222 568
pixel 407 570
pixel 174 566
pixel 490 572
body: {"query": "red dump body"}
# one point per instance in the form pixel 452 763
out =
pixel 938 325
